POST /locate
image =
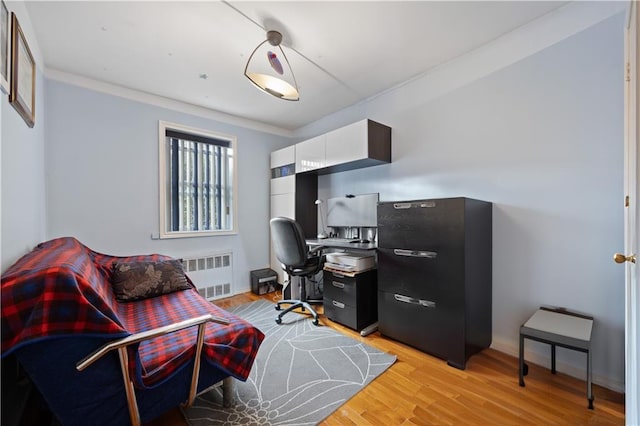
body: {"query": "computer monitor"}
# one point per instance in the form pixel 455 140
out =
pixel 359 210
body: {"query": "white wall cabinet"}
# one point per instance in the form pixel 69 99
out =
pixel 362 144
pixel 283 182
pixel 346 144
pixel 283 156
pixel 283 185
pixel 283 188
pixel 310 154
pixel 281 205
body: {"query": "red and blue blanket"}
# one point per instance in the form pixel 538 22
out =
pixel 62 289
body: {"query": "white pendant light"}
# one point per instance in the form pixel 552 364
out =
pixel 268 68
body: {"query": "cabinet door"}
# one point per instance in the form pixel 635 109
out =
pixel 432 330
pixel 422 224
pixel 283 156
pixel 281 205
pixel 310 154
pixel 434 281
pixel 346 144
pixel 283 185
pixel 340 312
pixel 341 288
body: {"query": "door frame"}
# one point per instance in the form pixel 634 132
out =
pixel 631 217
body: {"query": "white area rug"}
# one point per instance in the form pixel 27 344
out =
pixel 301 375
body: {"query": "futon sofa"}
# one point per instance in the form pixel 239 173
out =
pixel 62 312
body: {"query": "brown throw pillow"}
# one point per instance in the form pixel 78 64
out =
pixel 141 280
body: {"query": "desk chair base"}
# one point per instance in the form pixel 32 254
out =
pixel 294 305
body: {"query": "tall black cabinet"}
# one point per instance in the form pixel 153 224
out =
pixel 434 275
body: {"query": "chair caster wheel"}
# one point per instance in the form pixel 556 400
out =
pixel 315 322
pixel 278 320
pixel 278 308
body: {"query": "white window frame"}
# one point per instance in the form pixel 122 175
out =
pixel 164 183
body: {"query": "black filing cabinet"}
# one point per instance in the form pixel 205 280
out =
pixel 351 301
pixel 434 275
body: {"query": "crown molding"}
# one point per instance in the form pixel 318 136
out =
pixel 162 102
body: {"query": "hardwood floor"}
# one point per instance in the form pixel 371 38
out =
pixel 422 390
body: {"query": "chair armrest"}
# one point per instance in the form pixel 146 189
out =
pixel 145 335
pixel 314 249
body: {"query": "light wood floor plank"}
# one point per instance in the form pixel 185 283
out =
pixel 420 389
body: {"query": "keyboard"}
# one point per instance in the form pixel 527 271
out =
pixel 344 241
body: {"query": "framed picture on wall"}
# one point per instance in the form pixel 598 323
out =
pixel 23 74
pixel 4 49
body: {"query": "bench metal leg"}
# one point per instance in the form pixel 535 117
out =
pixel 134 414
pixel 228 385
pixel 523 368
pixel 521 361
pixel 589 391
pixel 193 389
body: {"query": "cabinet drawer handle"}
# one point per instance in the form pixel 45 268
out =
pixel 415 253
pixel 337 284
pixel 337 275
pixel 422 205
pixel 337 304
pixel 427 303
pixel 399 206
pixel 414 301
pixel 405 299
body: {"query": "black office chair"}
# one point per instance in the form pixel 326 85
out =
pixel 296 260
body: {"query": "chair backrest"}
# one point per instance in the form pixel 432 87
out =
pixel 288 242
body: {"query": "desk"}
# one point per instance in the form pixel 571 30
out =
pixel 342 243
pixel 347 244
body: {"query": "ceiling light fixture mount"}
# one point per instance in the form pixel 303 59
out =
pixel 274 38
pixel 268 73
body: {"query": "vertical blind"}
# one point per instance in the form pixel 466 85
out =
pixel 201 182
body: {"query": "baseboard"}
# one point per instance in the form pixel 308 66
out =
pixel 544 360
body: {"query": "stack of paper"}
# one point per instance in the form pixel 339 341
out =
pixel 350 262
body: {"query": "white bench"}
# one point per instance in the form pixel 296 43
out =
pixel 558 327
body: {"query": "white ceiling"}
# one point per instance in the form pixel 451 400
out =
pixel 359 48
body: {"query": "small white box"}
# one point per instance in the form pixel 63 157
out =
pixel 351 261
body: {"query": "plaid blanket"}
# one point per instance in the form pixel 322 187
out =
pixel 62 289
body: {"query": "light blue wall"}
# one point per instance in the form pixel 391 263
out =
pixel 543 140
pixel 23 163
pixel 102 179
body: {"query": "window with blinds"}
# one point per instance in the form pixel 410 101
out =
pixel 197 182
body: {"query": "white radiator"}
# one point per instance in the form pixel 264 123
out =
pixel 212 274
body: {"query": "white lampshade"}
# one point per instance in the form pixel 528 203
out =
pixel 268 69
